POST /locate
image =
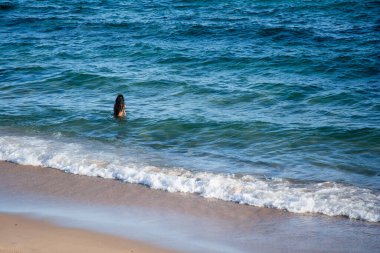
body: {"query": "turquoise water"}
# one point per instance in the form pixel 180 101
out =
pixel 271 89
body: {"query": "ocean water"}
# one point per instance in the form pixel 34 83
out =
pixel 265 103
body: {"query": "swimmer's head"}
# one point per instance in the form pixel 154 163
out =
pixel 119 107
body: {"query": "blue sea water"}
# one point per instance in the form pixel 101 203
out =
pixel 282 94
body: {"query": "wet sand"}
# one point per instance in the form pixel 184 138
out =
pixel 182 222
pixel 24 235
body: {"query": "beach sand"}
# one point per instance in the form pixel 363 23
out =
pixel 24 235
pixel 66 210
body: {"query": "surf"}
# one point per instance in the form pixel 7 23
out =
pixel 91 158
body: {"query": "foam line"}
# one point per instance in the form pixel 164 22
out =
pixel 328 198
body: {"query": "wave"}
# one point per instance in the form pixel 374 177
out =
pixel 107 161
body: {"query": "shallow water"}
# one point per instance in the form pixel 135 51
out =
pixel 273 90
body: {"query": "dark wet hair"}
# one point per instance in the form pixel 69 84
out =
pixel 119 105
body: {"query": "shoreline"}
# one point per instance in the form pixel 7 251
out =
pixel 21 234
pixel 182 222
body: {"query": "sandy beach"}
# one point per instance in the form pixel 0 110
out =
pixel 23 235
pixel 60 212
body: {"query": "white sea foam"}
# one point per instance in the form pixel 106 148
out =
pixel 104 161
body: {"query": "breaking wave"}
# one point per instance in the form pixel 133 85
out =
pixel 106 161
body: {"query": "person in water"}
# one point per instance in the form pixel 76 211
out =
pixel 119 107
